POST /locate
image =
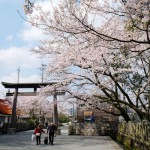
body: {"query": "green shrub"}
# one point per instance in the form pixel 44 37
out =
pixel 32 123
pixel 127 142
pixel 119 139
pixel 63 118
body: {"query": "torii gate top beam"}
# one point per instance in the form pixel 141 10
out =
pixel 26 85
pixel 29 85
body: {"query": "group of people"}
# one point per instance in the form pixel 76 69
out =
pixel 51 129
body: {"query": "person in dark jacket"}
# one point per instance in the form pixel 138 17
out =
pixel 38 131
pixel 46 124
pixel 92 119
pixel 51 131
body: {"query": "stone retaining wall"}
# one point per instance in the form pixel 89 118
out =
pixel 19 127
pixel 86 129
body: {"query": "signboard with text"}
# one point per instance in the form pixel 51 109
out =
pixel 88 113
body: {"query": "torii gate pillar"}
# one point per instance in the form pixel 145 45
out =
pixel 13 118
pixel 16 86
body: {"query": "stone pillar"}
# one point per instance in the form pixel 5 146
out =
pixel 78 129
pixel 58 132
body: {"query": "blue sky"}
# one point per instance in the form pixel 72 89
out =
pixel 17 38
pixel 11 23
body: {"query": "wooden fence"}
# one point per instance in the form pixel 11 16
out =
pixel 134 135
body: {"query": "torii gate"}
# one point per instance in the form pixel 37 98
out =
pixel 34 86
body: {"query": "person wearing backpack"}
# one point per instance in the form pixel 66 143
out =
pixel 38 131
pixel 51 131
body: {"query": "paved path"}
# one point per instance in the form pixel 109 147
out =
pixel 22 141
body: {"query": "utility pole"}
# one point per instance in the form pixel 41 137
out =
pixel 28 7
pixel 55 118
pixel 73 111
pixel 18 70
pixel 42 69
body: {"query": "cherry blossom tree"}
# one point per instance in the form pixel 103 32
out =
pixel 37 106
pixel 32 106
pixel 99 50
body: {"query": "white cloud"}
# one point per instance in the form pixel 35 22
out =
pixel 9 37
pixel 13 57
pixel 30 33
pixel 13 78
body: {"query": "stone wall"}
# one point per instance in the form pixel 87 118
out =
pixel 89 129
pixel 86 129
pixel 19 127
